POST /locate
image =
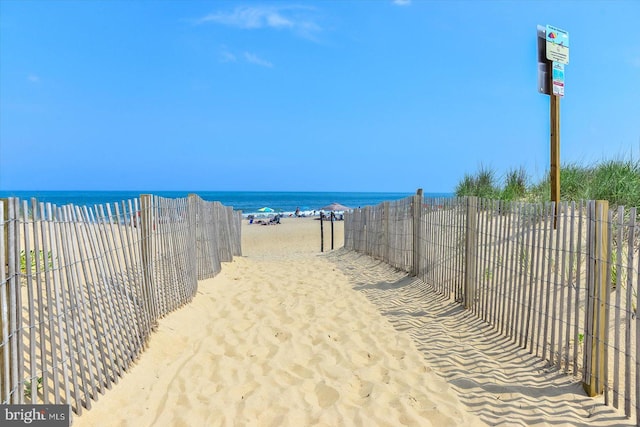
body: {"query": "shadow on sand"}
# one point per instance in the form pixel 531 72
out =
pixel 494 378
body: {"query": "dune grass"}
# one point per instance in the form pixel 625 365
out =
pixel 482 184
pixel 617 181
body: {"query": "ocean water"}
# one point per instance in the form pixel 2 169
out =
pixel 247 201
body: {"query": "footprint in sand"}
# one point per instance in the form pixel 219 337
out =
pixel 397 354
pixel 283 335
pixel 301 371
pixel 364 388
pixel 326 395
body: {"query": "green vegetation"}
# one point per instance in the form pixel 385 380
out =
pixel 28 387
pixel 482 184
pixel 617 181
pixel 515 186
pixel 34 260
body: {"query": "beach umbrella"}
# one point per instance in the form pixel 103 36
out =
pixel 335 207
pixel 265 209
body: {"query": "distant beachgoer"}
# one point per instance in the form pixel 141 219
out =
pixel 297 212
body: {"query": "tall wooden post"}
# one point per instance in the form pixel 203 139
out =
pixel 470 252
pixel 146 245
pixel 597 281
pixel 417 232
pixel 555 147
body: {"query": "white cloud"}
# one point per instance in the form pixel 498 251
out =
pixel 402 2
pixel 254 59
pixel 33 78
pixel 249 18
pixel 226 56
pixel 292 18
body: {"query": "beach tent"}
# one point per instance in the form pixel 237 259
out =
pixel 335 207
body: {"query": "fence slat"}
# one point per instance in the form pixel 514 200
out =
pixel 470 267
pixel 511 314
pixel 60 311
pixel 581 215
pixel 568 257
pixel 607 304
pixel 486 277
pixel 6 385
pixel 523 286
pixel 629 310
pixel 15 301
pixel 637 337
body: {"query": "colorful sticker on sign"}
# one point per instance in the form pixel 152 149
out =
pixel 557 36
pixel 558 79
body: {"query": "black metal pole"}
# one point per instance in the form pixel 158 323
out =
pixel 332 218
pixel 321 234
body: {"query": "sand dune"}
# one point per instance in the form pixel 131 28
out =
pixel 285 336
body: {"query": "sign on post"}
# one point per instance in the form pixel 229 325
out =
pixel 553 55
pixel 557 77
pixel 557 45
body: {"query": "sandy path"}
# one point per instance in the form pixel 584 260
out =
pixel 286 336
pixel 280 338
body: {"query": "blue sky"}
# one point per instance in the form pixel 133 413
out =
pixel 357 95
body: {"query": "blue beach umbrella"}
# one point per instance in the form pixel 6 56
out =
pixel 265 209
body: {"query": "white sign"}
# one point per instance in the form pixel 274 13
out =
pixel 557 44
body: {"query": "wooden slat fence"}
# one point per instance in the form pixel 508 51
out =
pixel 82 288
pixel 565 288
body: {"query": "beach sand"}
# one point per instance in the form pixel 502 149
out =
pixel 287 336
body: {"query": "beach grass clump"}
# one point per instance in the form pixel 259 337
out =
pixel 466 187
pixel 481 184
pixel 539 191
pixel 575 182
pixel 515 185
pixel 617 181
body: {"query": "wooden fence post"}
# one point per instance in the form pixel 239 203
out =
pixel 5 370
pixel 194 235
pixel 595 319
pixel 365 239
pixel 470 251
pixel 386 209
pixel 12 365
pixel 417 232
pixel 146 246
